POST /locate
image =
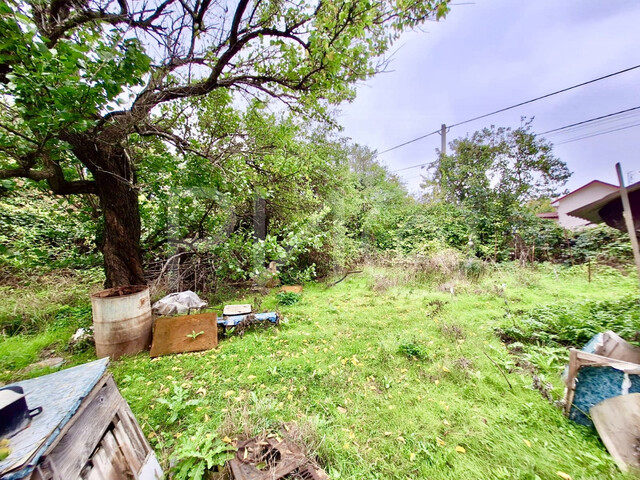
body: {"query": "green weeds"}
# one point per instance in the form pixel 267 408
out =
pixel 395 384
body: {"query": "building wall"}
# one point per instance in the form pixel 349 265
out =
pixel 577 199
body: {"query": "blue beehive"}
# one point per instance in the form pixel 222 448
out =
pixel 606 367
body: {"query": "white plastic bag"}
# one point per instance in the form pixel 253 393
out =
pixel 178 303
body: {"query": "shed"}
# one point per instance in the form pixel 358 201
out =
pixel 86 431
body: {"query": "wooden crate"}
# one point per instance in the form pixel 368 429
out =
pixel 101 442
pixel 99 439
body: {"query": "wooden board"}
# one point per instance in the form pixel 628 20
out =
pixel 291 289
pixel 617 420
pixel 86 432
pixel 237 309
pixel 175 334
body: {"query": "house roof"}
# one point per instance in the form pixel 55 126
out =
pixel 551 215
pixel 609 209
pixel 592 182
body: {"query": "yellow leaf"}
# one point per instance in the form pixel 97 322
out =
pixel 227 440
pixel 527 442
pixel 460 449
pixel 441 442
pixel 346 446
pixel 563 475
pixel 436 381
pixel 445 369
pixel 412 457
pixel 228 393
pixel 401 439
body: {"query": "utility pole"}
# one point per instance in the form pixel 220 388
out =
pixel 628 217
pixel 443 139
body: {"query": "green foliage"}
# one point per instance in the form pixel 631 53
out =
pixel 288 298
pixel 603 243
pixel 177 404
pixel 198 453
pixel 38 232
pixel 574 324
pixel 413 350
pixel 492 174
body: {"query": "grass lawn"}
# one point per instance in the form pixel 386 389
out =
pixel 384 379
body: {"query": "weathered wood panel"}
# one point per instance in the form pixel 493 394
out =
pixel 83 436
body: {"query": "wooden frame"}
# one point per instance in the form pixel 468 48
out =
pixel 102 441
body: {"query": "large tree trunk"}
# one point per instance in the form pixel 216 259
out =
pixel 121 242
pixel 115 186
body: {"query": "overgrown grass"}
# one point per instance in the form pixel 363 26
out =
pixel 38 316
pixel 384 383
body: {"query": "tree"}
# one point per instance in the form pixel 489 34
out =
pixel 79 79
pixel 494 173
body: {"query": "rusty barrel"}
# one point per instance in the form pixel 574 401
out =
pixel 122 320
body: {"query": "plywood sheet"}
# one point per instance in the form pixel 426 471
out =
pixel 617 420
pixel 237 309
pixel 182 334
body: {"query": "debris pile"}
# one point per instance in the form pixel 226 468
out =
pixel 272 458
pixel 603 391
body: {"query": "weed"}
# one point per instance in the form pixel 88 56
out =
pixel 178 404
pixel 413 350
pixel 452 331
pixel 288 298
pixel 198 453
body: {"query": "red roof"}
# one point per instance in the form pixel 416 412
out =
pixel 582 187
pixel 551 215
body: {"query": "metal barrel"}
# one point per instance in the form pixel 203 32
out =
pixel 122 320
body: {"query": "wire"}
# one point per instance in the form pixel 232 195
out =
pixel 410 141
pixel 591 120
pixel 412 166
pixel 599 133
pixel 514 106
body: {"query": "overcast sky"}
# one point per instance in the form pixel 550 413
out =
pixel 496 53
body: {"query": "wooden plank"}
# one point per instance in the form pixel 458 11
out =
pixel 85 403
pixel 127 449
pixel 115 456
pixel 102 463
pixel 93 474
pixel 86 431
pixel 138 441
pixel 237 309
pixel 186 333
pixel 628 218
pixel 617 420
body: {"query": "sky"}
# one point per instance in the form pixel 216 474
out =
pixel 491 54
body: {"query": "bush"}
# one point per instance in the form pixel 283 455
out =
pixel 573 325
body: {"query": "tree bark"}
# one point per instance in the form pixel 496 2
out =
pixel 115 186
pixel 121 241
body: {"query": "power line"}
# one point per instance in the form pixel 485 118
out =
pixel 591 120
pixel 410 141
pixel 600 133
pixel 564 129
pixel 515 106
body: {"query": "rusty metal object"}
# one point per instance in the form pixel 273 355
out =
pixel 185 333
pixel 261 458
pixel 122 320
